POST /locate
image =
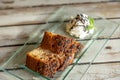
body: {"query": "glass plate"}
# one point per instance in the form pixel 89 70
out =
pixel 15 67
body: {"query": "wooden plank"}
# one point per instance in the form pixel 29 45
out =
pixel 30 3
pixel 6 53
pixel 96 72
pixel 25 15
pixel 20 34
pixel 6 76
pixel 37 15
pixel 110 52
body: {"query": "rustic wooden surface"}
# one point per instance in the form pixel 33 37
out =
pixel 20 18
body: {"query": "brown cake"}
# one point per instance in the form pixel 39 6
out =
pixel 54 54
pixel 60 44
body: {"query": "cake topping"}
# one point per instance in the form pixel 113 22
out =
pixel 80 26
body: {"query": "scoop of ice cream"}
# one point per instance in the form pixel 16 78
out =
pixel 80 26
pixel 78 32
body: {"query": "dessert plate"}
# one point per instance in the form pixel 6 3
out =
pixel 15 67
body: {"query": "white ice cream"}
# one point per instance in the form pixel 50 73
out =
pixel 77 26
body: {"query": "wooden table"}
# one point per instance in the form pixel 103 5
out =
pixel 19 18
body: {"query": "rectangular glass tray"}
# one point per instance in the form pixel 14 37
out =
pixel 14 68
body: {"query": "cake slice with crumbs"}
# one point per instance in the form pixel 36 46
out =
pixel 54 54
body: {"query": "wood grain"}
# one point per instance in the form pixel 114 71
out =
pixel 96 72
pixel 7 52
pixel 37 15
pixel 8 4
pixel 20 34
pixel 105 55
pixel 6 76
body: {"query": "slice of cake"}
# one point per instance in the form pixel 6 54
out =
pixel 43 61
pixel 60 44
pixel 54 54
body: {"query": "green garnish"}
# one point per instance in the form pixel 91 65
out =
pixel 91 26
